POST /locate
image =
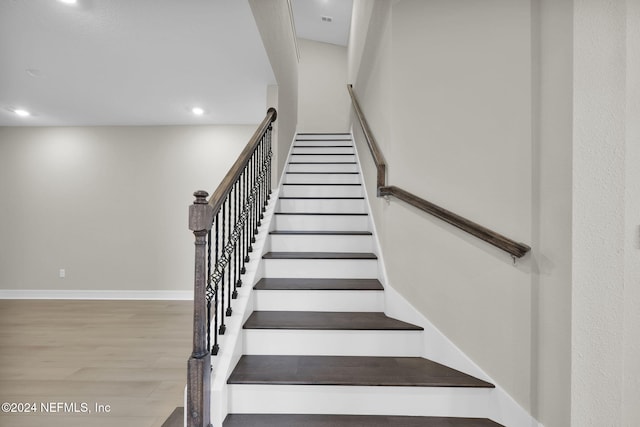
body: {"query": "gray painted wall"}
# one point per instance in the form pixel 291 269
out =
pixel 107 204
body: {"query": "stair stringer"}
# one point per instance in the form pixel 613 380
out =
pixel 437 347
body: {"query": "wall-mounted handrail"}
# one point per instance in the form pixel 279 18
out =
pixel 224 228
pixel 378 158
pixel 514 248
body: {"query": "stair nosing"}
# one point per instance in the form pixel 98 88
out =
pixel 314 284
pixel 347 256
pixel 323 213
pixel 322 319
pixel 324 420
pixel 320 198
pixel 332 184
pixel 322 163
pixel 321 232
pixel 323 173
pixel 294 373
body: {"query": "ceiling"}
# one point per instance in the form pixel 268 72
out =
pixel 309 24
pixel 131 62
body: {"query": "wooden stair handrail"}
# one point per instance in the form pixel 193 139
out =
pixel 378 158
pixel 223 190
pixel 514 248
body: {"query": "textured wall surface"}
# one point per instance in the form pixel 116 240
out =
pixel 631 392
pixel 598 212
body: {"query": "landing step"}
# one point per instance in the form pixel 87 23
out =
pixel 349 371
pixel 285 284
pixel 324 320
pixel 307 420
pixel 319 255
pixel 321 233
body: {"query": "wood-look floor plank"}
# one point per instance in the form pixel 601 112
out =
pixel 131 355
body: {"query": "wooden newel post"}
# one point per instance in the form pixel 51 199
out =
pixel 199 365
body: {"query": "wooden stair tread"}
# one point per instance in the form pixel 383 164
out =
pixel 287 284
pixel 323 320
pixel 322 146
pixel 321 233
pixel 324 213
pixel 324 184
pixel 321 198
pixel 349 371
pixel 322 173
pixel 322 163
pixel 312 420
pixel 319 255
pixel 322 154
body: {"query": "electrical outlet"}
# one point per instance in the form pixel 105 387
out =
pixel 62 273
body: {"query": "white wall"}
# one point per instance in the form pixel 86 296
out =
pixel 605 313
pixel 631 391
pixel 552 188
pixel 323 104
pixel 446 87
pixel 274 23
pixel 108 204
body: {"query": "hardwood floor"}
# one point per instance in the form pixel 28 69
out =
pixel 130 355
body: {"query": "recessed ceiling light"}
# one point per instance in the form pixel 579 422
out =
pixel 197 111
pixel 68 1
pixel 21 112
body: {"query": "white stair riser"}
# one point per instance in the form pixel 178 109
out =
pixel 320 167
pixel 297 178
pixel 319 300
pixel 416 401
pixel 321 191
pixel 322 158
pixel 333 343
pixel 308 149
pixel 321 222
pixel 320 243
pixel 321 268
pixel 322 205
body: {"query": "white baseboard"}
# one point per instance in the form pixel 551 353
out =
pixel 94 295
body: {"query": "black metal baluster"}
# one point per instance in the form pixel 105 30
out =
pixel 215 348
pixel 256 196
pixel 223 327
pixel 245 255
pixel 208 289
pixel 236 248
pixel 269 164
pixel 259 149
pixel 263 173
pixel 229 310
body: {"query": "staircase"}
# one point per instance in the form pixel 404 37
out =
pixel 318 348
